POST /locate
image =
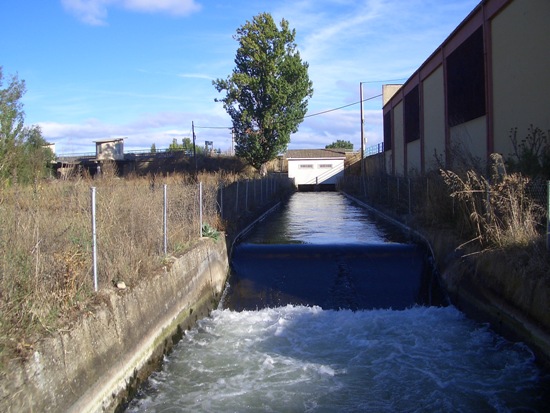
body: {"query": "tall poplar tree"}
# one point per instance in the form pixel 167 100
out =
pixel 267 93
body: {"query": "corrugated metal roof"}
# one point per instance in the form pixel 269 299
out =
pixel 314 153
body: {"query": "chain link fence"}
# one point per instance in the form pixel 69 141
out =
pixel 428 198
pixel 46 265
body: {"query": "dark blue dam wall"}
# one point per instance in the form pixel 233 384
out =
pixel 355 276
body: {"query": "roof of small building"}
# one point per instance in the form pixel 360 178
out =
pixel 109 140
pixel 314 153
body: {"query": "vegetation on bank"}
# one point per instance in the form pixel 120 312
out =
pixel 497 206
pixel 24 154
pixel 503 205
pixel 46 277
pixel 492 218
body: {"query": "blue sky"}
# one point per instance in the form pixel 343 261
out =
pixel 143 69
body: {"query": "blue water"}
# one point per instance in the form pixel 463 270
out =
pixel 320 218
pixel 297 358
pixel 305 359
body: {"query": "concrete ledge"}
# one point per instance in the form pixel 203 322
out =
pixel 468 290
pixel 480 303
pixel 97 363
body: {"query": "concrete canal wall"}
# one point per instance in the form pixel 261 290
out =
pixel 97 362
pixel 516 308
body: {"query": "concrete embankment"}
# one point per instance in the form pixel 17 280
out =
pixel 487 289
pixel 97 362
pixel 516 307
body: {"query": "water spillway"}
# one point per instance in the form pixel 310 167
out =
pixel 323 250
pixel 328 310
pixel 332 276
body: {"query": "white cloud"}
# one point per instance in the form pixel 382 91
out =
pixel 196 76
pixel 158 128
pixel 173 7
pixel 94 12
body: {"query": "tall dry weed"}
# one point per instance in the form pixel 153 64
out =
pixel 498 214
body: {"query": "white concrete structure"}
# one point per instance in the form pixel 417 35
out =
pixel 315 166
pixel 110 149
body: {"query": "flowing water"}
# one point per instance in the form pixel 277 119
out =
pixel 285 356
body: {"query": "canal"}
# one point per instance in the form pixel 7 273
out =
pixel 330 310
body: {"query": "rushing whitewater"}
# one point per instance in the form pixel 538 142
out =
pixel 305 359
pixel 305 355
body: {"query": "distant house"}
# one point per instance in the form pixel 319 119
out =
pixel 50 146
pixel 110 150
pixel 315 168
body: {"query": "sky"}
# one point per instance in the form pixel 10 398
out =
pixel 143 69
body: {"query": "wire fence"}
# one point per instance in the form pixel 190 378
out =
pixel 429 198
pixel 49 239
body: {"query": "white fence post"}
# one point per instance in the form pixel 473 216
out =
pixel 200 208
pixel 165 219
pixel 94 241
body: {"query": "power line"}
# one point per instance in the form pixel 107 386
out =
pixel 213 127
pixel 342 107
pixel 306 116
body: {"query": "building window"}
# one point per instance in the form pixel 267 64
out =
pixel 305 166
pixel 387 131
pixel 466 81
pixel 325 166
pixel 412 115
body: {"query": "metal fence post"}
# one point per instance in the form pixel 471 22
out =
pixel 94 240
pixel 261 191
pixel 548 217
pixel 200 208
pixel 427 197
pixel 246 197
pixel 398 195
pixel 237 198
pixel 221 200
pixel 165 218
pixel 410 201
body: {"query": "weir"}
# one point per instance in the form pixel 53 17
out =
pixel 327 310
pixel 332 276
pixel 322 249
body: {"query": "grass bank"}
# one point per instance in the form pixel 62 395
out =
pixel 494 228
pixel 46 272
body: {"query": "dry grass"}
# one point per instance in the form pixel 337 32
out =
pixel 500 221
pixel 46 275
pixel 499 214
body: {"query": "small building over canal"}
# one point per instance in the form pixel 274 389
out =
pixel 315 169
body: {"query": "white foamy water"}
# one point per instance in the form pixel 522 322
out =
pixel 305 359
